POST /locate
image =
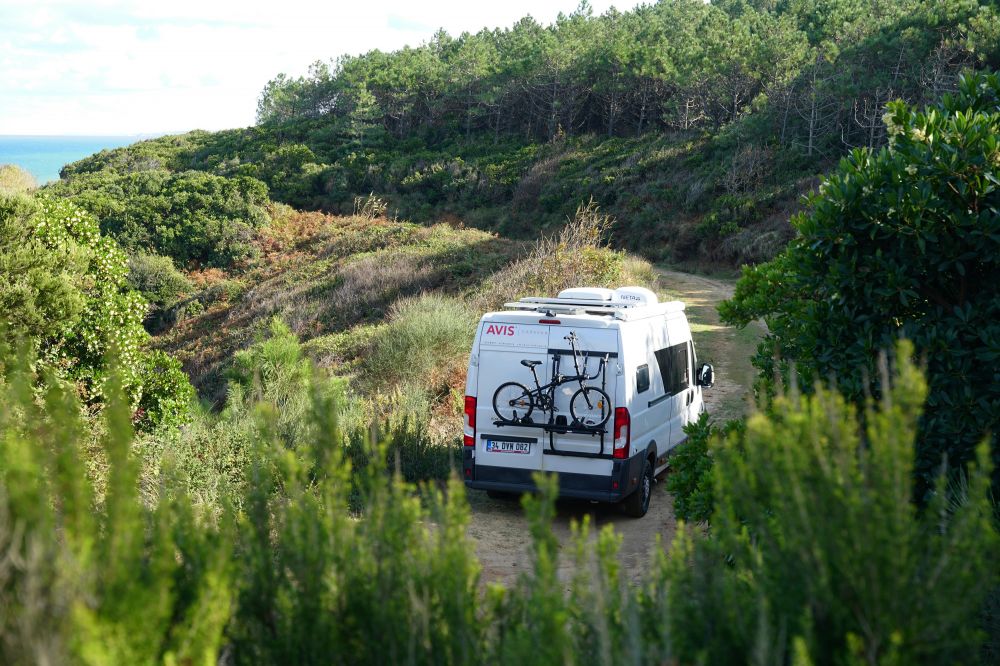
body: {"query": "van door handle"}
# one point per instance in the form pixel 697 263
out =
pixel 690 397
pixel 657 401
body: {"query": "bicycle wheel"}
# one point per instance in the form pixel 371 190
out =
pixel 590 406
pixel 512 402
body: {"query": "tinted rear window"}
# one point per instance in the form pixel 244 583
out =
pixel 673 365
pixel 642 379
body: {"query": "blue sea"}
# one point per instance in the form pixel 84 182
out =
pixel 44 156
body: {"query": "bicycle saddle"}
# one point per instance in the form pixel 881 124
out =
pixel 530 364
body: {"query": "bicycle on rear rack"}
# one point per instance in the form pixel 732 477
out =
pixel 589 406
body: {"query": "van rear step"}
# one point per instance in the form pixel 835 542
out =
pixel 603 488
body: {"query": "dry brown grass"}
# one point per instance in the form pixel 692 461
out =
pixel 205 277
pixel 372 282
pixel 15 180
pixel 370 207
pixel 290 234
pixel 325 275
pixel 578 255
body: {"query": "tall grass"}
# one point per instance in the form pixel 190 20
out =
pixel 426 342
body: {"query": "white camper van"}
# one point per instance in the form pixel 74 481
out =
pixel 595 385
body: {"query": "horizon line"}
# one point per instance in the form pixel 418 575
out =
pixel 105 134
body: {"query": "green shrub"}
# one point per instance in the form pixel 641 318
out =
pixel 205 461
pixel 65 295
pixel 817 553
pixel 110 323
pixel 405 564
pixel 222 291
pixel 273 370
pixel 690 477
pixel 42 292
pixel 192 217
pixel 900 242
pixel 156 279
pixel 404 417
pixel 342 350
pixel 167 396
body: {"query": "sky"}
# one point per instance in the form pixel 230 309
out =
pixel 117 67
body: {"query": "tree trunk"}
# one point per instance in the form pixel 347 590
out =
pixel 642 109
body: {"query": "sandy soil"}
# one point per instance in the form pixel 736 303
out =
pixel 498 526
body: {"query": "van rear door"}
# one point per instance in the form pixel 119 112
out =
pixel 593 345
pixel 502 347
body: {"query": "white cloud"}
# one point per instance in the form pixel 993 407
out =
pixel 129 67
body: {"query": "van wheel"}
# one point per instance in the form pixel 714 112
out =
pixel 637 504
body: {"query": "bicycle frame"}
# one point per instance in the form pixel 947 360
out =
pixel 544 394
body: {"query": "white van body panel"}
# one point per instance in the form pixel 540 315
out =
pixel 651 424
pixel 619 335
pixel 678 332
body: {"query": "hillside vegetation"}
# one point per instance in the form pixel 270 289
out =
pixel 292 496
pixel 697 126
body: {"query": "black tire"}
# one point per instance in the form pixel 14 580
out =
pixel 508 401
pixel 637 504
pixel 590 406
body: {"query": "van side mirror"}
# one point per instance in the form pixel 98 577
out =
pixel 706 375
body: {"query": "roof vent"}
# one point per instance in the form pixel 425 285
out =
pixel 588 294
pixel 634 296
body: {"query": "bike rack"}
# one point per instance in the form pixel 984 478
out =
pixel 553 428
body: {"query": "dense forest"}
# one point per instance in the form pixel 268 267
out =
pixel 821 72
pixel 232 364
pixel 698 126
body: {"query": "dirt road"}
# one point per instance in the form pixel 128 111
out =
pixel 498 526
pixel 727 348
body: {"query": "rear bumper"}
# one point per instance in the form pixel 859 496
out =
pixel 624 479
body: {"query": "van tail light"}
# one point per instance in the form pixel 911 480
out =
pixel 623 427
pixel 469 439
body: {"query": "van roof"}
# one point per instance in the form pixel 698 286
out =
pixel 581 312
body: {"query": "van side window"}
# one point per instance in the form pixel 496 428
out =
pixel 642 379
pixel 683 368
pixel 673 364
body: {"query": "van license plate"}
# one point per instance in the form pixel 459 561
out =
pixel 504 446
